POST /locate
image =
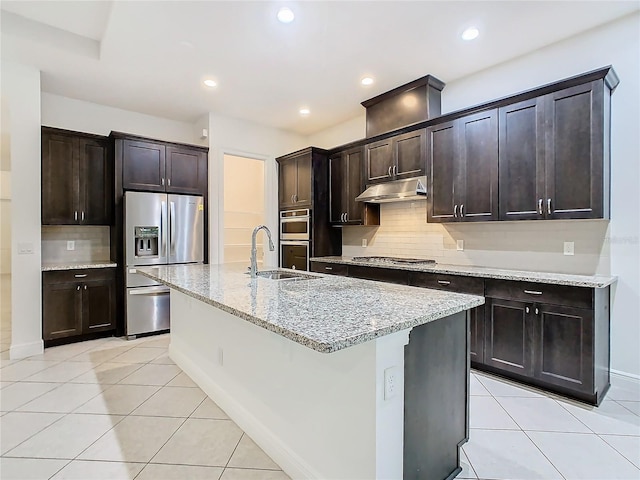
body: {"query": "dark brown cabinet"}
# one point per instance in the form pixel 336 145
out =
pixel 397 157
pixel 295 179
pixel 345 184
pixel 77 179
pixel 160 167
pixel 78 303
pixel 463 166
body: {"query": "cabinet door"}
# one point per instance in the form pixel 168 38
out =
pixel 303 183
pixel 336 188
pixel 478 175
pixel 522 160
pixel 353 184
pixel 96 182
pixel 443 171
pixel 379 158
pixel 564 347
pixel 98 302
pixel 508 336
pixel 143 166
pixel 59 179
pixel 185 169
pixel 287 182
pixel 410 152
pixel 574 152
pixel 476 334
pixel 61 307
pixel 295 256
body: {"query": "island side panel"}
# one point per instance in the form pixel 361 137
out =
pixel 317 415
pixel 436 398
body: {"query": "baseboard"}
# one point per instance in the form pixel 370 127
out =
pixel 26 349
pixel 291 463
pixel 625 374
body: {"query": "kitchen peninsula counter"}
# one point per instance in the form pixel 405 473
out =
pixel 332 377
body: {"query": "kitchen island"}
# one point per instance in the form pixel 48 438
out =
pixel 333 377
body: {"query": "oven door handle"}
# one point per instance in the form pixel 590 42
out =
pixel 149 291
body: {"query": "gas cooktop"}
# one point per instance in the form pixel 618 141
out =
pixel 393 260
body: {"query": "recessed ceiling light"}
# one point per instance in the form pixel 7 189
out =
pixel 304 112
pixel 210 83
pixel 470 33
pixel 367 81
pixel 285 15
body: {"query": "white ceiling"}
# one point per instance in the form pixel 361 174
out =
pixel 151 56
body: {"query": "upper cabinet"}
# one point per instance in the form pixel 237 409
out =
pixel 463 169
pixel 77 179
pixel 162 167
pixel 345 184
pixel 295 178
pixel 397 157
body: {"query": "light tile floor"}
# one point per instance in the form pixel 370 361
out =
pixel 115 409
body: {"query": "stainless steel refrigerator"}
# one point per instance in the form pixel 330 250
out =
pixel 159 229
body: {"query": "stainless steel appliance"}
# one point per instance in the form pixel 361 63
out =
pixel 159 229
pixel 295 239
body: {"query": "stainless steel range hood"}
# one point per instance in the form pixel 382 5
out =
pixel 396 191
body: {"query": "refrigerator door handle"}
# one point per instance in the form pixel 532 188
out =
pixel 172 223
pixel 163 236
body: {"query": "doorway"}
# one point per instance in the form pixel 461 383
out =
pixel 244 207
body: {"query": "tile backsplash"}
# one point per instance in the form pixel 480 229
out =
pixel 527 245
pixel 92 244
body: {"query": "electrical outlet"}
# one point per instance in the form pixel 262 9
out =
pixel 460 245
pixel 391 382
pixel 364 242
pixel 569 248
pixel 71 245
pixel 25 249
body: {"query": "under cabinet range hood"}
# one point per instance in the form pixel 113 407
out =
pixel 397 191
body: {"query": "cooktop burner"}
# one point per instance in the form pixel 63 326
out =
pixel 393 260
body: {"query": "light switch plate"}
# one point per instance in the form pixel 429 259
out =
pixel 460 245
pixel 569 248
pixel 71 245
pixel 364 242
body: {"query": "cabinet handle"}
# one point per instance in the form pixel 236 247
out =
pixel 85 287
pixel 168 182
pixel 328 268
pixel 548 206
pixel 455 211
pixel 80 275
pixel 78 287
pixel 540 212
pixel 526 309
pixel 75 215
pixel 533 292
pixel 444 282
pixel 82 216
pixel 163 182
pixel 462 210
pixel 389 170
pixel 395 170
pixel 346 216
pixel 537 311
pixel 295 197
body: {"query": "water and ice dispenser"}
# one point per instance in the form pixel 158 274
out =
pixel 146 241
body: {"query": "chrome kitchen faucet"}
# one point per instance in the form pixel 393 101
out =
pixel 254 250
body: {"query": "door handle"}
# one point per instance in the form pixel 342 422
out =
pixel 444 282
pixel 172 223
pixel 455 211
pixel 149 291
pixel 533 292
pixel 540 212
pixel 163 246
pixel 548 206
pixel 80 275
pixel 328 268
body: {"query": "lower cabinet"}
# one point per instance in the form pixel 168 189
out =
pixel 77 303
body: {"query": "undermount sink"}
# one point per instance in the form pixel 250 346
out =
pixel 278 275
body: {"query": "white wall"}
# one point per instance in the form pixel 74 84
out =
pixel 600 247
pixel 245 139
pixel 21 99
pixel 71 114
pixel 345 132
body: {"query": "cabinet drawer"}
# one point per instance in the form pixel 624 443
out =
pixel 540 293
pixel 388 275
pixel 332 268
pixel 85 275
pixel 451 283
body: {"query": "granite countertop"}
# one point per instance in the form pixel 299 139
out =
pixel 325 313
pixel 51 266
pixel 590 281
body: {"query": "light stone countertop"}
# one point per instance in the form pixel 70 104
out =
pixel 52 266
pixel 326 313
pixel 590 281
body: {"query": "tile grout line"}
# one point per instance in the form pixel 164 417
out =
pixel 618 451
